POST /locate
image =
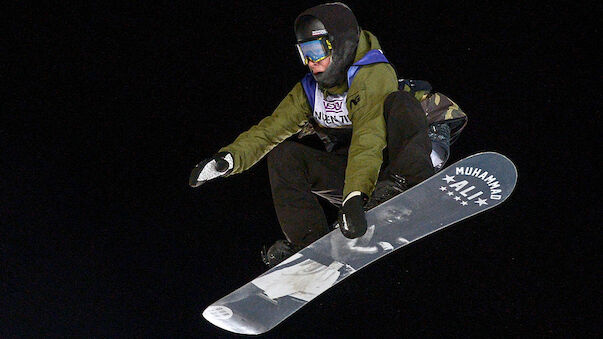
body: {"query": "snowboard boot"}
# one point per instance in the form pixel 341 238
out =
pixel 277 253
pixel 385 190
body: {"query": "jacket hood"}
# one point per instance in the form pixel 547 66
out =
pixel 343 31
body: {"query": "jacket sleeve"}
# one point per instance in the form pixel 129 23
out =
pixel 365 103
pixel 250 146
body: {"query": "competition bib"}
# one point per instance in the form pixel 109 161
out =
pixel 331 111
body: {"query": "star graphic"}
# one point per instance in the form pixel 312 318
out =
pixel 464 203
pixel 481 202
pixel 442 188
pixel 450 193
pixel 457 198
pixel 449 178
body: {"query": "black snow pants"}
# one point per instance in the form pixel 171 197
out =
pixel 299 173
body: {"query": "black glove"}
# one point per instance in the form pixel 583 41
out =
pixel 211 168
pixel 352 221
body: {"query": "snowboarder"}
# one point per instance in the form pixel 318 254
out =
pixel 375 137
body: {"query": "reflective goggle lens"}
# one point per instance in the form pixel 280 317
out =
pixel 314 50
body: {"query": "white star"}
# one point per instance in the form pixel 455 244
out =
pixel 481 202
pixel 457 198
pixel 449 178
pixel 442 188
pixel 464 203
pixel 450 193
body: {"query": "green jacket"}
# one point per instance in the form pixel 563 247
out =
pixel 369 89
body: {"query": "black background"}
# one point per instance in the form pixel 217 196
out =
pixel 108 108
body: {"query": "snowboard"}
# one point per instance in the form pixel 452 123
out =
pixel 466 188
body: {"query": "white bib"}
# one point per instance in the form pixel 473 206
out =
pixel 331 111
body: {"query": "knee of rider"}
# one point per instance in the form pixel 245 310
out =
pixel 407 109
pixel 408 102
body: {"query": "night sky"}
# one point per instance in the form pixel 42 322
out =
pixel 107 109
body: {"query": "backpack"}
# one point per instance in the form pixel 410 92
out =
pixel 438 108
pixel 445 119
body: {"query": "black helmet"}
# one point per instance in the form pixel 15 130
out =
pixel 308 28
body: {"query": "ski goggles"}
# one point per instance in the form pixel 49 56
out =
pixel 314 50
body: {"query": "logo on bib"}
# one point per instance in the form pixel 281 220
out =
pixel 331 111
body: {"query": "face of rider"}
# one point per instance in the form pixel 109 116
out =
pixel 319 67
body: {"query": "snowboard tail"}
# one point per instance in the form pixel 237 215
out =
pixel 464 189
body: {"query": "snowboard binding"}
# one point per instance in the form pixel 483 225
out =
pixel 278 252
pixel 385 190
